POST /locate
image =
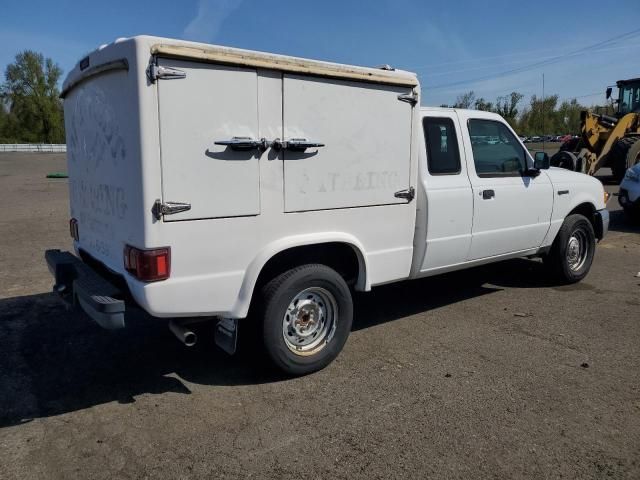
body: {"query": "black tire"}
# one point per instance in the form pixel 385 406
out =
pixel 561 258
pixel 564 159
pixel 278 295
pixel 632 214
pixel 623 154
pixel 570 145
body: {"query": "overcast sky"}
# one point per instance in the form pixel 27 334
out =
pixel 491 47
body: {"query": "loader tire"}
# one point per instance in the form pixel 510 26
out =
pixel 570 145
pixel 564 159
pixel 625 153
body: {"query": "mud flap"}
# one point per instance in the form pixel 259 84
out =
pixel 226 334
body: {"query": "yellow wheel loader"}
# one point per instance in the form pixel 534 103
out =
pixel 606 141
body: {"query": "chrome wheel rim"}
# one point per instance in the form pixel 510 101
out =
pixel 310 321
pixel 577 250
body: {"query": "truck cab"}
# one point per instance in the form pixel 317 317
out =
pixel 495 202
pixel 485 200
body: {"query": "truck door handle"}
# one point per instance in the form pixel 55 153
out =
pixel 295 144
pixel 243 144
pixel 488 194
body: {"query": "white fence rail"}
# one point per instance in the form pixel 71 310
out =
pixel 33 147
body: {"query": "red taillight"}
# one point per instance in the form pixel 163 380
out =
pixel 148 265
pixel 73 229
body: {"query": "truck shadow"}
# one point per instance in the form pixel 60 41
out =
pixel 54 361
pixel 402 299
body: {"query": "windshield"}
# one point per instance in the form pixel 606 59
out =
pixel 630 99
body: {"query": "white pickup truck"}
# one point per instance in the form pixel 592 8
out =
pixel 215 183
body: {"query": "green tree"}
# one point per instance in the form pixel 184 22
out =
pixel 4 120
pixel 31 92
pixel 609 108
pixel 8 124
pixel 540 117
pixel 484 105
pixel 569 116
pixel 466 100
pixel 507 107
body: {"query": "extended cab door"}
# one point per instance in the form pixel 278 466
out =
pixel 212 103
pixel 449 202
pixel 511 210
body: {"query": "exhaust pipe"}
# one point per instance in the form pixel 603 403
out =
pixel 182 333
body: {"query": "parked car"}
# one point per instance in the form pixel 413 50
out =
pixel 536 139
pixel 629 195
pixel 214 183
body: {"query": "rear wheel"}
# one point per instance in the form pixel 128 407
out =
pixel 307 314
pixel 625 153
pixel 573 250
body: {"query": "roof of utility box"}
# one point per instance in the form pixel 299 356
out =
pixel 115 56
pixel 248 58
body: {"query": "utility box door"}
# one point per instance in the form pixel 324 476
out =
pixel 212 103
pixel 366 131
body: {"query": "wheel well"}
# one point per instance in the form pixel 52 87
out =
pixel 588 210
pixel 341 257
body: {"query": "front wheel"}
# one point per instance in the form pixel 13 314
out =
pixel 573 249
pixel 307 314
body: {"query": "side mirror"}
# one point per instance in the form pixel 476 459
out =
pixel 541 161
pixel 609 90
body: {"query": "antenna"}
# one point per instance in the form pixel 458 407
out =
pixel 544 137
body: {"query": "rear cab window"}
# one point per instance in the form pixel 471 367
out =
pixel 496 150
pixel 441 139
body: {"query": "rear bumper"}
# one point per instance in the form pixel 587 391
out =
pixel 79 285
pixel 602 223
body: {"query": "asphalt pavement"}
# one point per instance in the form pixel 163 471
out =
pixel 494 372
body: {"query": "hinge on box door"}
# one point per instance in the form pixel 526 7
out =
pixel 168 208
pixel 157 72
pixel 408 194
pixel 411 98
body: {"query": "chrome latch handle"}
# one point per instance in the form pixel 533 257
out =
pixel 408 194
pixel 295 144
pixel 168 208
pixel 243 144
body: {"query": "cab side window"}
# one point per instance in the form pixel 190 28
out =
pixel 443 157
pixel 496 151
